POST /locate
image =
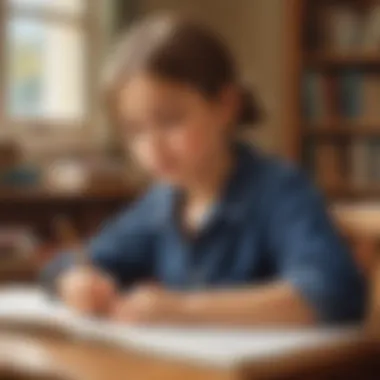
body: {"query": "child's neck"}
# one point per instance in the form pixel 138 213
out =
pixel 205 190
pixel 208 185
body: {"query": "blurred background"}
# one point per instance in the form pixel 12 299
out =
pixel 314 63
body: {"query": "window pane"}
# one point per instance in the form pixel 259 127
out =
pixel 45 70
pixel 71 6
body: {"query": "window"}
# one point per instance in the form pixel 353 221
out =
pixel 48 66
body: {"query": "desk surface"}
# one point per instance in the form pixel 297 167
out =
pixel 81 360
pixel 364 220
pixel 86 361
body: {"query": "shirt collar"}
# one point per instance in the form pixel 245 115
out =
pixel 235 199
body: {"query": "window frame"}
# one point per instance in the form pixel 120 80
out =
pixel 47 134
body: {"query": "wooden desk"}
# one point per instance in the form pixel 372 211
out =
pixel 363 220
pixel 361 224
pixel 88 361
pixel 80 360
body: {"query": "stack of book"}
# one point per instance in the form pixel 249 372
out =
pixel 345 28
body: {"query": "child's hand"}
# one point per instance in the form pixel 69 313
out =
pixel 147 304
pixel 87 290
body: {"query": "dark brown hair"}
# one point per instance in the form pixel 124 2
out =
pixel 180 49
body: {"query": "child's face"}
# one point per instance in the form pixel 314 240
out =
pixel 173 131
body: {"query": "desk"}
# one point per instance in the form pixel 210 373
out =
pixel 85 361
pixel 362 225
pixel 361 219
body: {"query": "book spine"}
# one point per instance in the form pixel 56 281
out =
pixel 350 94
pixel 372 172
pixel 328 166
pixel 371 30
pixel 330 97
pixel 307 101
pixel 375 161
pixel 371 100
pixel 313 97
pixel 360 163
pixel 343 26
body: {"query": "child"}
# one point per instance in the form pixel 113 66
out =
pixel 229 236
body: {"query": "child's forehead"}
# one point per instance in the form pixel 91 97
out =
pixel 151 87
pixel 148 80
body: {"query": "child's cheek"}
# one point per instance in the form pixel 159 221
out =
pixel 142 153
pixel 187 143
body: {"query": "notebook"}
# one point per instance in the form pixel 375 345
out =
pixel 217 347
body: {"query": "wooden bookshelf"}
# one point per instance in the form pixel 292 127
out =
pixel 333 94
pixel 353 193
pixel 337 130
pixel 330 60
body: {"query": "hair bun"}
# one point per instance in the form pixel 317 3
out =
pixel 250 111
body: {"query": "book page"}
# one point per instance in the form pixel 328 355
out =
pixel 221 347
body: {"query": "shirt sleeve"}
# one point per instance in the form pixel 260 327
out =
pixel 123 248
pixel 311 255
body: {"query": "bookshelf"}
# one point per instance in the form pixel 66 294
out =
pixel 332 108
pixel 343 129
pixel 328 60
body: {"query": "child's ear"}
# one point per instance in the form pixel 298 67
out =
pixel 229 104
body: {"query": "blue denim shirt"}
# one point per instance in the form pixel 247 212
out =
pixel 270 224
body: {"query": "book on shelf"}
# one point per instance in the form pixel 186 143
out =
pixel 340 93
pixel 344 29
pixel 351 96
pixel 370 112
pixel 332 97
pixel 312 97
pixel 360 164
pixel 365 163
pixel 371 30
pixel 340 28
pixel 320 97
pixel 328 166
pixel 374 164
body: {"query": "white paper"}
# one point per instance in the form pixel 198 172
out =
pixel 208 346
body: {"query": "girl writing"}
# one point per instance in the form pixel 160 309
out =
pixel 228 235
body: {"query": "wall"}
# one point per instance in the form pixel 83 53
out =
pixel 254 30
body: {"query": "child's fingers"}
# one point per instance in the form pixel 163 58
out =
pixel 87 291
pixel 123 311
pixel 81 303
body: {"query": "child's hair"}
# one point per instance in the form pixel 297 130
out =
pixel 180 49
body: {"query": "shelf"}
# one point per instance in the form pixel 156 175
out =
pixel 40 194
pixel 344 130
pixel 328 145
pixel 326 59
pixel 352 193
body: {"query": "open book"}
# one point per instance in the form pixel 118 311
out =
pixel 208 346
